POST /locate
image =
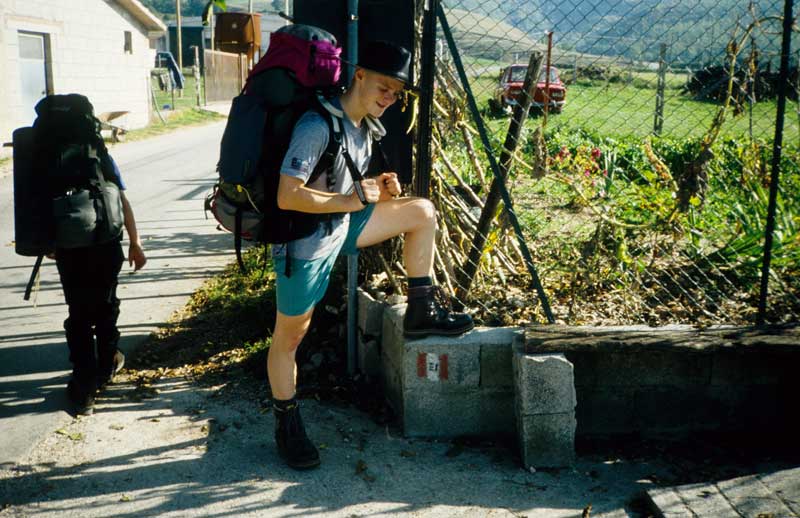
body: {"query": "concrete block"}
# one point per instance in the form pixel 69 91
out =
pixel 706 500
pixel 736 367
pixel 441 368
pixel 672 409
pixel 786 484
pixel 496 368
pixel 392 340
pixel 668 504
pixel 752 498
pixel 604 410
pixel 647 367
pixel 475 412
pixel 370 315
pixel 547 440
pixel 391 358
pixel 369 357
pixel 544 384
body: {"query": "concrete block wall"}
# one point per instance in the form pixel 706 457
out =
pixel 677 380
pixel 87 56
pixel 449 386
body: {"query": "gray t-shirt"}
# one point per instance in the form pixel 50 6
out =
pixel 309 140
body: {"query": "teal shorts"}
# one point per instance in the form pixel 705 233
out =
pixel 305 287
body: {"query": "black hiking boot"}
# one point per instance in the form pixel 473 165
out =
pixel 106 373
pixel 81 393
pixel 294 445
pixel 429 312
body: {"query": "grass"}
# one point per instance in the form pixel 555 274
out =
pixel 224 326
pixel 619 110
pixel 178 119
pixel 189 99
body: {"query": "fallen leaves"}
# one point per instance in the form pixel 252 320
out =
pixel 73 436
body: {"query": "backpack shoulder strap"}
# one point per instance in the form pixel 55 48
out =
pixel 334 117
pixel 335 139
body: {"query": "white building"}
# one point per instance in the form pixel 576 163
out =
pixel 103 49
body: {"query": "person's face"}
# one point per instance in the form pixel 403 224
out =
pixel 379 91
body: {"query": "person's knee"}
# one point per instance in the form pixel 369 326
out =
pixel 289 333
pixel 425 212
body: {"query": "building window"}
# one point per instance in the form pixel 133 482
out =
pixel 128 42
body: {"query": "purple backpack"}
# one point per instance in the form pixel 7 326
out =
pixel 301 63
pixel 309 52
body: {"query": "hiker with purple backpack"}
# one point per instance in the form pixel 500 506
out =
pixel 381 76
pixel 308 195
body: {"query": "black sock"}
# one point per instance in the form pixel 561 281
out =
pixel 416 282
pixel 283 405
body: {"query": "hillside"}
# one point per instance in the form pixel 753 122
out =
pixel 632 30
pixel 696 32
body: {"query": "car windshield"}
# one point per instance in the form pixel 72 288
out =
pixel 518 75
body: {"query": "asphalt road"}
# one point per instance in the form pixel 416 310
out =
pixel 167 179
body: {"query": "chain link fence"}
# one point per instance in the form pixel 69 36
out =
pixel 641 177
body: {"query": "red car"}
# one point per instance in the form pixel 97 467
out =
pixel 510 88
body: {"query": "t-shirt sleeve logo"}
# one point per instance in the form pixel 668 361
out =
pixel 299 165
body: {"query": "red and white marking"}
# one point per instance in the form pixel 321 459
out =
pixel 432 366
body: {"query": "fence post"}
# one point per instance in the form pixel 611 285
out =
pixel 575 69
pixel 427 73
pixel 498 184
pixel 196 74
pixel 786 46
pixel 658 123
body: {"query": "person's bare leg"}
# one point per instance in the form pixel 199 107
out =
pixel 290 436
pixel 281 365
pixel 414 217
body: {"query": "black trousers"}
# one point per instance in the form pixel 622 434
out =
pixel 89 277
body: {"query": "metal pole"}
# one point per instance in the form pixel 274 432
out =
pixel 427 73
pixel 196 73
pixel 212 27
pixel 786 45
pixel 499 180
pixel 178 33
pixel 352 260
pixel 547 79
pixel 658 122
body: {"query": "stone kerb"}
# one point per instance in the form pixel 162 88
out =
pixel 449 386
pixel 544 404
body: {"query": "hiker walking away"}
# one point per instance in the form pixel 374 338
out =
pixel 83 192
pixel 349 220
pixel 89 277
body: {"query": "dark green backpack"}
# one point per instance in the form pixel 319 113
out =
pixel 65 189
pixel 72 161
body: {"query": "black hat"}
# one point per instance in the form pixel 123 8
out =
pixel 386 58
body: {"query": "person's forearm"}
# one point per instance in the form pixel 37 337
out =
pixel 304 199
pixel 129 221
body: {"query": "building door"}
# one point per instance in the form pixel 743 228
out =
pixel 33 72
